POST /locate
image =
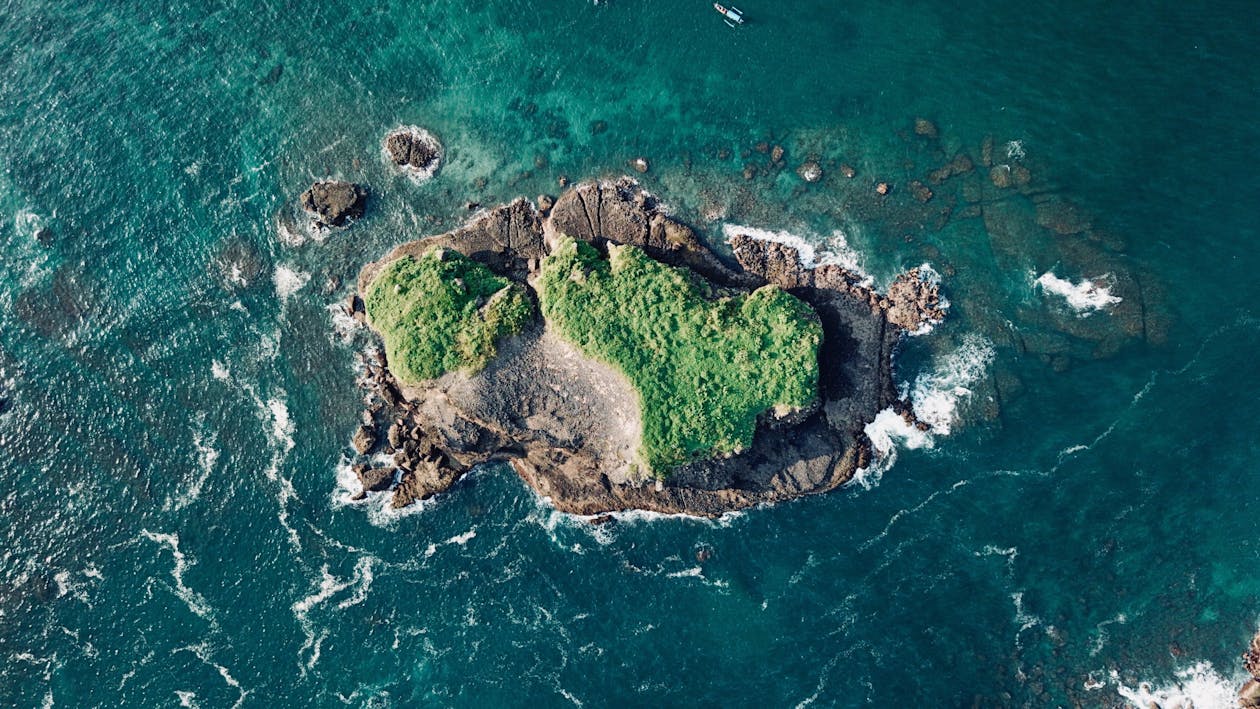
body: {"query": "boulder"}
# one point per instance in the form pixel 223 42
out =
pixel 376 479
pixel 1251 658
pixel 396 435
pixel 414 150
pixel 364 439
pixel 334 203
pixel 1249 695
pixel 640 164
pixel 776 154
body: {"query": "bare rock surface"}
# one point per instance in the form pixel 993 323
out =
pixel 333 203
pixel 569 426
pixel 413 150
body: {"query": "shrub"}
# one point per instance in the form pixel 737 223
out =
pixel 443 312
pixel 704 368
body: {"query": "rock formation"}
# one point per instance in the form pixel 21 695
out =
pixel 1249 695
pixel 569 425
pixel 414 150
pixel 333 203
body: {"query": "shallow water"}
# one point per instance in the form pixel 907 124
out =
pixel 181 395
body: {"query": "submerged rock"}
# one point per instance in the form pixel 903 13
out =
pixel 334 203
pixel 924 127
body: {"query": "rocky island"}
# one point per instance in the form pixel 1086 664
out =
pixel 616 362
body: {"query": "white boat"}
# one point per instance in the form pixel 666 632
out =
pixel 731 15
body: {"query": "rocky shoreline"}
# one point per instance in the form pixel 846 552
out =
pixel 561 420
pixel 1249 694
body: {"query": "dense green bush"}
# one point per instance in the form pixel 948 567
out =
pixel 442 312
pixel 704 368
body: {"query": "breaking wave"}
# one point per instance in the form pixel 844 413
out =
pixel 1085 297
pixel 835 250
pixel 288 281
pixel 935 398
pixel 936 395
pixel 1198 685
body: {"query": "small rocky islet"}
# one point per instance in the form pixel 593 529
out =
pixel 424 458
pixel 570 425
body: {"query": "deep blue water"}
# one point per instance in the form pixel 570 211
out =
pixel 180 395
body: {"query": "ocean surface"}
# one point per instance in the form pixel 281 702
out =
pixel 178 387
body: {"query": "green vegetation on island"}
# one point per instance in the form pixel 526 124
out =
pixel 704 368
pixel 443 312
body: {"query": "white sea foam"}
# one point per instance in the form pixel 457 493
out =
pixel 219 371
pixel 281 424
pixel 462 539
pixel 936 395
pixel 834 251
pixel 1100 640
pixel 195 601
pixel 935 398
pixel 28 224
pixel 1198 685
pixel 275 412
pixel 207 458
pixel 187 699
pixel 344 326
pixel 330 586
pixel 203 653
pixel 696 572
pixel 1025 619
pixel 288 281
pixel 1015 150
pixel 458 540
pixel 287 235
pixel 1085 297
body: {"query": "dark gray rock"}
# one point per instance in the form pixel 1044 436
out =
pixel 376 479
pixel 333 203
pixel 414 150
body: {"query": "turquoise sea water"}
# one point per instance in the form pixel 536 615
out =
pixel 179 395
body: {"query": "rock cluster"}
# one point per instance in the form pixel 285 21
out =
pixel 569 426
pixel 1249 695
pixel 420 461
pixel 334 203
pixel 414 150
